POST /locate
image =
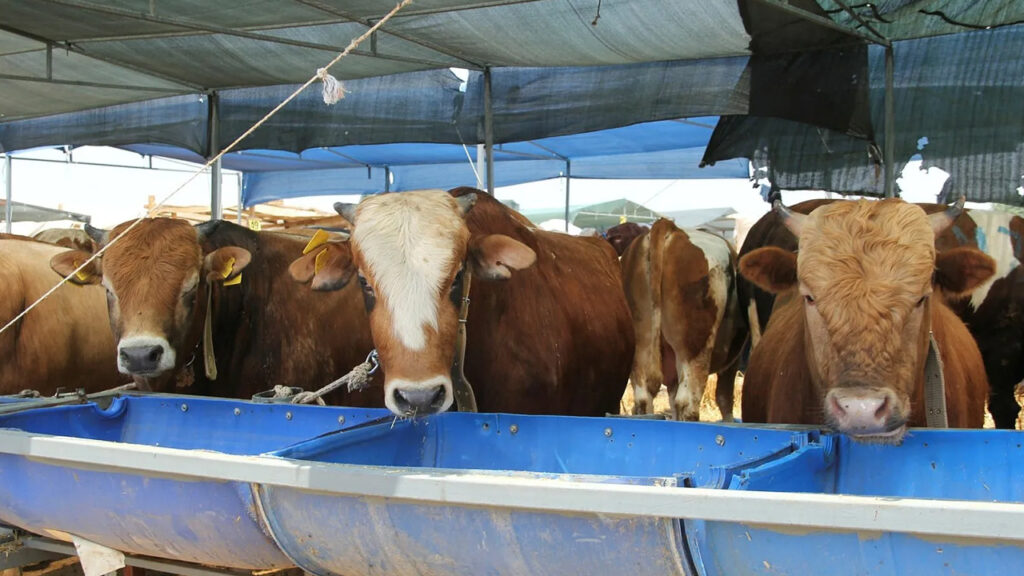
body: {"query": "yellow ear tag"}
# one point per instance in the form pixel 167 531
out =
pixel 227 272
pixel 321 261
pixel 319 239
pixel 82 275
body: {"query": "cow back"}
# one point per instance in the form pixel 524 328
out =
pixel 65 341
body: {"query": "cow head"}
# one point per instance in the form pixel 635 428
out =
pixel 622 235
pixel 411 251
pixel 864 275
pixel 156 275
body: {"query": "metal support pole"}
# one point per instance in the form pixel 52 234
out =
pixel 489 130
pixel 213 146
pixel 568 179
pixel 387 179
pixel 8 190
pixel 480 153
pixel 216 202
pixel 238 213
pixel 890 127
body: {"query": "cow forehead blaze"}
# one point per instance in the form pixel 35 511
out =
pixel 153 258
pixel 409 243
pixel 867 249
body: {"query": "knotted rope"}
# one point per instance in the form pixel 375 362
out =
pixel 320 75
pixel 357 379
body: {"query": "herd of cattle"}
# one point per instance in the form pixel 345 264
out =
pixel 838 301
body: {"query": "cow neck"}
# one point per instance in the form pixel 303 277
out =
pixel 200 335
pixel 461 387
pixel 936 415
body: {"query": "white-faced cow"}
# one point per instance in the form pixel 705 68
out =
pixel 55 344
pixel 681 289
pixel 212 308
pixel 548 326
pixel 848 338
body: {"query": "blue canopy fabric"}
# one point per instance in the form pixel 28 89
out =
pixel 669 149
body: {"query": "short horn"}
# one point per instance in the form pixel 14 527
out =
pixel 98 235
pixel 793 220
pixel 205 229
pixel 466 202
pixel 347 211
pixel 941 221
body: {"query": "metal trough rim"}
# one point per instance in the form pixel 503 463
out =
pixel 826 512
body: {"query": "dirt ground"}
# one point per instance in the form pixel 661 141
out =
pixel 708 407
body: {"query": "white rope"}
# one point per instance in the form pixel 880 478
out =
pixel 357 379
pixel 351 46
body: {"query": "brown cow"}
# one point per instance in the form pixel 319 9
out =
pixel 54 345
pixel 548 329
pixel 848 338
pixel 681 289
pixel 159 278
pixel 993 312
pixel 621 236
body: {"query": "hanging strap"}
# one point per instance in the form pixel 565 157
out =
pixel 934 387
pixel 461 388
pixel 209 359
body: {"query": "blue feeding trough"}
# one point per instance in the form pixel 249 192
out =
pixel 972 465
pixel 359 534
pixel 191 519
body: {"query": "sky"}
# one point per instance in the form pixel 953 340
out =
pixel 114 194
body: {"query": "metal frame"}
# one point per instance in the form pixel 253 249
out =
pixel 8 190
pixel 489 130
pixel 949 518
pixel 226 31
pixel 873 36
pixel 30 549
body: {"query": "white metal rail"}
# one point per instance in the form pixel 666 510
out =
pixel 815 512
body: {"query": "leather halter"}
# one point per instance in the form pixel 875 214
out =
pixel 461 388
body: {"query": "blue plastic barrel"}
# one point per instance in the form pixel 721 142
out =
pixel 335 534
pixel 181 518
pixel 981 465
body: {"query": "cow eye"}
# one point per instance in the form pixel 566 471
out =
pixel 365 285
pixel 809 299
pixel 921 301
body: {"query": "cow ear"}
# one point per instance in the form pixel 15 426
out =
pixel 771 268
pixel 958 271
pixel 495 256
pixel 66 263
pixel 327 267
pixel 226 264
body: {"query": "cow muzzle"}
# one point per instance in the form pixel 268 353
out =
pixel 866 413
pixel 409 398
pixel 144 356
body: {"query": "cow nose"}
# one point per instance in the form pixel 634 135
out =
pixel 141 359
pixel 420 400
pixel 860 411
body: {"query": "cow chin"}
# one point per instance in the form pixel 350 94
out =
pixel 892 437
pixel 420 397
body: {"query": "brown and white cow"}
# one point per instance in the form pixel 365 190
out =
pixel 681 289
pixel 54 345
pixel 993 312
pixel 848 338
pixel 73 238
pixel 160 277
pixel 548 328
